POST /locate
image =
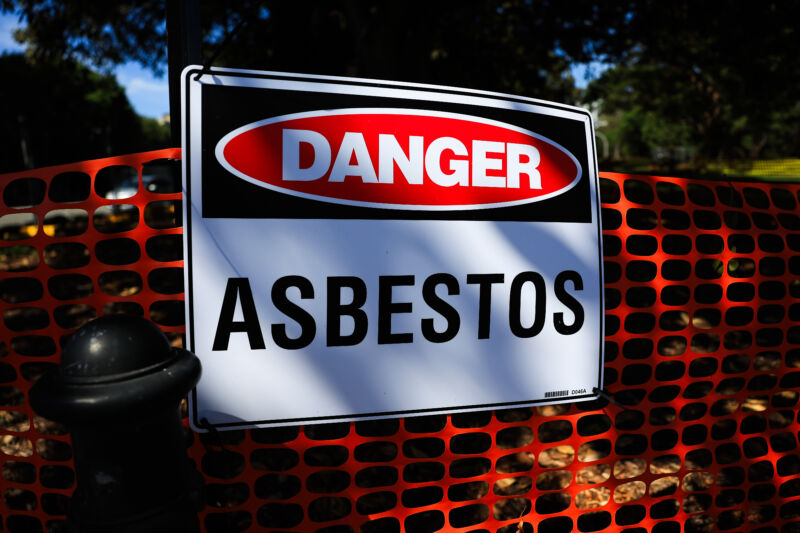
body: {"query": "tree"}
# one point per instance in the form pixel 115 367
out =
pixel 520 46
pixel 516 46
pixel 718 75
pixel 60 111
pixel 727 70
pixel 99 34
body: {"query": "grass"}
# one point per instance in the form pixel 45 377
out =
pixel 780 169
pixel 783 170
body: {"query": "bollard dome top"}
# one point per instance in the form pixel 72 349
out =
pixel 112 367
pixel 113 347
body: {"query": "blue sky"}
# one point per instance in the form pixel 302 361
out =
pixel 149 95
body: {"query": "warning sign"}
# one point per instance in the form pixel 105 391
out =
pixel 366 249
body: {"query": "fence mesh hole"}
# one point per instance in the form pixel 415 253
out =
pixel 116 182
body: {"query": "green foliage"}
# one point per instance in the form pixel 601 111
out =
pixel 659 131
pixel 518 46
pixel 98 33
pixel 638 132
pixel 784 132
pixel 714 78
pixel 60 111
pixel 721 77
pixel 155 132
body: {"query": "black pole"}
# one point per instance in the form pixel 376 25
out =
pixel 118 388
pixel 183 48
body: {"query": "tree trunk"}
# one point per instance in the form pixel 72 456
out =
pixel 24 142
pixel 755 149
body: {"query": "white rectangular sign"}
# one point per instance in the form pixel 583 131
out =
pixel 364 249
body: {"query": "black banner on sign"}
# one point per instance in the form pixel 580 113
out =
pixel 226 108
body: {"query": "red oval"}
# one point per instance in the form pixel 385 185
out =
pixel 255 153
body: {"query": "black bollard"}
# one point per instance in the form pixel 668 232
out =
pixel 118 388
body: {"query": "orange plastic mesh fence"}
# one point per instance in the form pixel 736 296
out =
pixel 702 347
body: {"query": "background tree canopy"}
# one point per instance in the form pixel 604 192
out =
pixel 719 77
pixel 686 80
pixel 60 111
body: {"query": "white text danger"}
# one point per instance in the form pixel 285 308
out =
pixel 446 161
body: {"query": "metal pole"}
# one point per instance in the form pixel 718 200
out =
pixel 118 388
pixel 183 48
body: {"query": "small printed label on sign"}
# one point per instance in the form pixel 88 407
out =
pixel 361 249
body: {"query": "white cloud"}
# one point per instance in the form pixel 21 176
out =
pixel 140 85
pixel 148 95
